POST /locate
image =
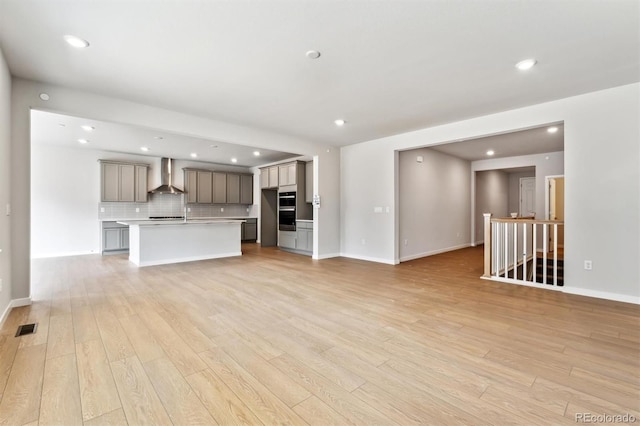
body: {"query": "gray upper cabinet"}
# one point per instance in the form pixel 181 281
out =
pixel 127 182
pixel 287 174
pixel 219 188
pixel 191 186
pixel 209 187
pixel 273 177
pixel 269 177
pixel 233 189
pixel 205 187
pixel 246 189
pixel 142 184
pixel 110 182
pixel 123 182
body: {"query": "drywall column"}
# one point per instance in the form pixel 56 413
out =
pixel 326 219
pixel 5 185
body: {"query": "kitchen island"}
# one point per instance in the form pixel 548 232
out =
pixel 159 242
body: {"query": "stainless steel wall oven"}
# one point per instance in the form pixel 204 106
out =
pixel 287 211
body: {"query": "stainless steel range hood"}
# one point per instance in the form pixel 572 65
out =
pixel 166 186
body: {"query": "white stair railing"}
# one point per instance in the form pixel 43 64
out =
pixel 523 251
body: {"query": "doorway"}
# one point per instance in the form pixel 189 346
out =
pixel 555 205
pixel 269 218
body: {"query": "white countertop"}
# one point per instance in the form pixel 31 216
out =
pixel 304 220
pixel 138 219
pixel 161 222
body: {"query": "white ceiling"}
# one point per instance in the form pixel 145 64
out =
pixel 386 67
pixel 64 130
pixel 524 142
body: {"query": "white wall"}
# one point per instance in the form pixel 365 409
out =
pixel 5 185
pixel 433 204
pixel 83 104
pixel 602 176
pixel 492 196
pixel 64 201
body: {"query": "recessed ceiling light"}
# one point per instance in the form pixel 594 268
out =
pixel 256 153
pixel 340 122
pixel 62 125
pixel 158 138
pixel 88 128
pixel 83 141
pixel 553 129
pixel 312 54
pixel 490 152
pixel 194 155
pixel 76 42
pixel 144 148
pixel 213 146
pixel 44 96
pixel 526 64
pixel 234 160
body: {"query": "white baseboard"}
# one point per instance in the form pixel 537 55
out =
pixel 370 259
pixel 63 254
pixel 432 252
pixel 187 259
pixel 326 256
pixel 5 314
pixel 603 295
pixel 14 304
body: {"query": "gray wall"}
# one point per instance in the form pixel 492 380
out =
pixel 5 188
pixel 492 193
pixel 592 121
pixel 433 203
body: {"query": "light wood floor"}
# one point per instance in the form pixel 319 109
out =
pixel 276 338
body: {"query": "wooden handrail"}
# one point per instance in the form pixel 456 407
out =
pixel 526 220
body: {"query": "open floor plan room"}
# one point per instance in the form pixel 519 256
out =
pixel 276 338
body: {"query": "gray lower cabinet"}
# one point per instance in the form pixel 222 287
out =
pixel 115 237
pixel 250 230
pixel 304 236
pixel 287 239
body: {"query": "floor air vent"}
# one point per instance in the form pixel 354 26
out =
pixel 26 329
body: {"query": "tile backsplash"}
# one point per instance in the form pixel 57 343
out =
pixel 170 205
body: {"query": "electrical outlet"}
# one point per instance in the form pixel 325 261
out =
pixel 221 209
pixel 8 209
pixel 137 209
pixel 188 209
pixel 588 265
pixel 101 209
pixel 406 242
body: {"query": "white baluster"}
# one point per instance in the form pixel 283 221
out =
pixel 555 254
pixel 545 243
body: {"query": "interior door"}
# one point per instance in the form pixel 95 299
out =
pixel 556 207
pixel 528 196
